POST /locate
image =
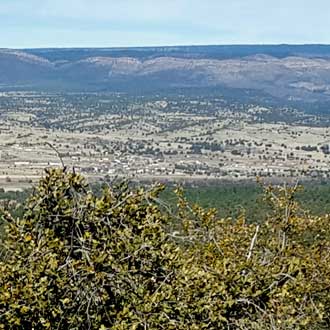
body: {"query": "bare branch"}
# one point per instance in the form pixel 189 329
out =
pixel 57 152
pixel 253 242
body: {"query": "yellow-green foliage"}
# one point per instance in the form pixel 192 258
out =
pixel 79 261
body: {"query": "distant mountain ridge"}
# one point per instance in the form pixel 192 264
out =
pixel 286 72
pixel 210 52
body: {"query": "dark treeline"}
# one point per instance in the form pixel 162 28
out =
pixel 232 200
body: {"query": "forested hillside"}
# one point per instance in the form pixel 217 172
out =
pixel 124 259
pixel 233 199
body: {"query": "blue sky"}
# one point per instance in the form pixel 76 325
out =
pixel 111 23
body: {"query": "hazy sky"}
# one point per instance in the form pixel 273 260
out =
pixel 101 23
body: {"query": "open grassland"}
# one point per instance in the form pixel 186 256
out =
pixel 177 138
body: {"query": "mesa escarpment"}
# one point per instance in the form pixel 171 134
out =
pixel 294 76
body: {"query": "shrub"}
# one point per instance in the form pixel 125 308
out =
pixel 75 260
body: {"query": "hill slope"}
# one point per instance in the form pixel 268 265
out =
pixel 300 73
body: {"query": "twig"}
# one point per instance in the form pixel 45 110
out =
pixel 57 152
pixel 253 241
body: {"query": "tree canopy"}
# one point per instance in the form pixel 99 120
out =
pixel 123 260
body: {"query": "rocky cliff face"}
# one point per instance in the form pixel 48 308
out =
pixel 300 77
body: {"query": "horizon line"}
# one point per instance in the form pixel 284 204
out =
pixel 170 46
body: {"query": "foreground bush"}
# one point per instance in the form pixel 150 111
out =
pixel 80 261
